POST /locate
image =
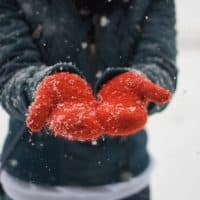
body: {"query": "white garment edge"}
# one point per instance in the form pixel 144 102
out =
pixel 17 189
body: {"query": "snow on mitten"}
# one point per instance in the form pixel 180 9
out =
pixel 65 104
pixel 123 101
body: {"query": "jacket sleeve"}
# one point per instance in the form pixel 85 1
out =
pixel 21 67
pixel 155 52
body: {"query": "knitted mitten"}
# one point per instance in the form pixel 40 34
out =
pixel 65 103
pixel 123 100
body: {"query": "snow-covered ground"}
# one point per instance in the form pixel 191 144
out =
pixel 174 135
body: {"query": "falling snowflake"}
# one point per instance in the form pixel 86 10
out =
pixel 13 162
pixel 104 21
pixel 94 142
pixel 98 74
pixel 84 45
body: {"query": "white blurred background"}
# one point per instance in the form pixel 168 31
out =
pixel 174 135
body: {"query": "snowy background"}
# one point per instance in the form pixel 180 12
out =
pixel 174 136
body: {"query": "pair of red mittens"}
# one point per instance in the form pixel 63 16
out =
pixel 66 104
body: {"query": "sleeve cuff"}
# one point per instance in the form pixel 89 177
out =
pixel 108 74
pixel 44 71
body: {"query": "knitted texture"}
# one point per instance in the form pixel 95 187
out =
pixel 65 103
pixel 123 101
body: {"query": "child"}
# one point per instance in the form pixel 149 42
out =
pixel 72 45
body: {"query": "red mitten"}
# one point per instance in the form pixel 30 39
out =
pixel 123 101
pixel 65 103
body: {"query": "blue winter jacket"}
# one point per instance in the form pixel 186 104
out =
pixel 41 37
